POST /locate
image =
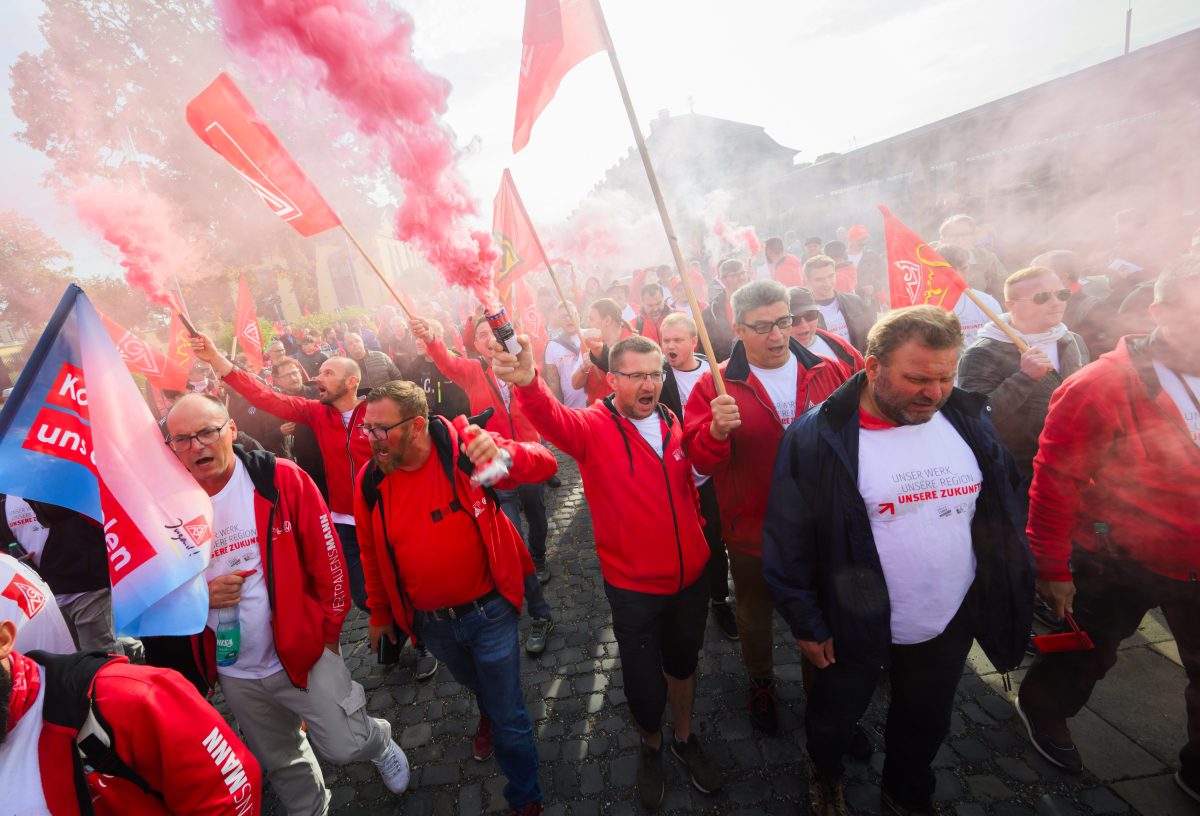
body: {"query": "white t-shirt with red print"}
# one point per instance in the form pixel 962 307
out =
pixel 920 484
pixel 780 385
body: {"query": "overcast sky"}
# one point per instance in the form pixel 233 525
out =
pixel 820 75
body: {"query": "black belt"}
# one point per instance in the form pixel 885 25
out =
pixel 456 612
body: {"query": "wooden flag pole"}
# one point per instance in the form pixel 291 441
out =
pixel 378 274
pixel 1017 339
pixel 672 239
pixel 541 250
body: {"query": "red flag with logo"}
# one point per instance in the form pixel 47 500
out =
pixel 179 340
pixel 142 358
pixel 523 306
pixel 245 325
pixel 226 121
pixel 917 275
pixel 514 236
pixel 558 35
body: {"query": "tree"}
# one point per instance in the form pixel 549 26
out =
pixel 107 96
pixel 33 272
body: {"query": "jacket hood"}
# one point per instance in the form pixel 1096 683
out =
pixel 260 465
pixel 993 332
pixel 616 415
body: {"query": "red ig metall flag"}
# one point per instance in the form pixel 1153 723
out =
pixel 245 326
pixel 917 274
pixel 519 253
pixel 142 358
pixel 226 121
pixel 558 35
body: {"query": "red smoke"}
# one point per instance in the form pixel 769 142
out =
pixel 737 236
pixel 139 224
pixel 365 53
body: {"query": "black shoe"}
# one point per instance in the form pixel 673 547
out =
pixel 1031 648
pixel 898 809
pixel 539 635
pixel 1052 739
pixel 650 776
pixel 825 795
pixel 704 773
pixel 427 664
pixel 762 705
pixel 554 481
pixel 541 570
pixel 860 747
pixel 1189 786
pixel 722 614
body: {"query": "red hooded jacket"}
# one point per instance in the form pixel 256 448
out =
pixel 651 327
pixel 343 448
pixel 159 727
pixel 508 558
pixel 307 583
pixel 1115 450
pixel 742 464
pixel 644 509
pixel 476 378
pixel 789 271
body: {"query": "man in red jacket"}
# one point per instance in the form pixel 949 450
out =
pixel 654 310
pixel 278 580
pixel 771 379
pixel 155 746
pixel 445 565
pixel 1112 515
pixel 647 529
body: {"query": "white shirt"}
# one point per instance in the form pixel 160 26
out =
pixel 972 317
pixel 685 381
pixel 835 322
pixel 920 484
pixel 820 347
pixel 1050 349
pixel 24 524
pixel 1174 385
pixel 780 385
pixel 20 765
pixel 344 518
pixel 26 600
pixel 651 430
pixel 567 361
pixel 235 548
pixel 629 314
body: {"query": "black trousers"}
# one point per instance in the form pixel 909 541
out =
pixel 923 679
pixel 1112 596
pixel 716 573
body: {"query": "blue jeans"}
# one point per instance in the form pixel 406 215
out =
pixel 348 535
pixel 481 650
pixel 511 502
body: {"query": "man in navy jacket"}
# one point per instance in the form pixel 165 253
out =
pixel 892 540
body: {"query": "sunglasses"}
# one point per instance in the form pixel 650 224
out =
pixel 1042 298
pixel 811 317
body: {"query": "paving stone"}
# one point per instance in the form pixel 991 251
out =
pixel 987 788
pixel 1103 800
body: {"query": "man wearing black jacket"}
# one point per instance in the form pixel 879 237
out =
pixel 718 316
pixel 892 540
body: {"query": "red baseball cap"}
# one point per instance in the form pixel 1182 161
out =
pixel 857 232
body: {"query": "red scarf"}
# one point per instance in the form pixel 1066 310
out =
pixel 26 682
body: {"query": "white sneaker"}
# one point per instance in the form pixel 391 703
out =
pixel 393 767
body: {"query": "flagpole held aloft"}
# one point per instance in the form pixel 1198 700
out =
pixel 541 250
pixel 378 274
pixel 672 239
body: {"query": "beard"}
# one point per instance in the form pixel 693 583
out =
pixel 6 687
pixel 897 407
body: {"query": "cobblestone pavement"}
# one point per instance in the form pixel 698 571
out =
pixel 588 748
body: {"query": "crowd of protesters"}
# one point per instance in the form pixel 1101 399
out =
pixel 897 484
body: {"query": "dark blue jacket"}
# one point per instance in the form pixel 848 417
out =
pixel 819 555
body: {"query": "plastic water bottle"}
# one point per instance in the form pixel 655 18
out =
pixel 229 635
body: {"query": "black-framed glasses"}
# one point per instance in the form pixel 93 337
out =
pixel 1042 298
pixel 764 326
pixel 640 377
pixel 380 432
pixel 205 437
pixel 811 317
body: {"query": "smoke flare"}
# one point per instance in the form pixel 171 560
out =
pixel 367 64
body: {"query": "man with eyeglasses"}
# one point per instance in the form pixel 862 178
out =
pixel 277 563
pixel 806 321
pixel 1019 385
pixel 1113 519
pixel 652 552
pixel 770 380
pixel 718 316
pixel 443 563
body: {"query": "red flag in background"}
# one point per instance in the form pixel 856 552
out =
pixel 917 275
pixel 226 121
pixel 179 345
pixel 515 238
pixel 523 306
pixel 144 359
pixel 245 326
pixel 558 35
